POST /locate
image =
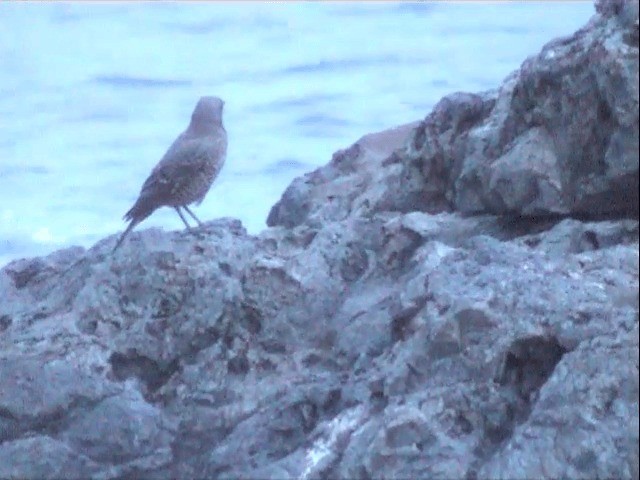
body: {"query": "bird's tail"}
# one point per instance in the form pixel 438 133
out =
pixel 136 214
pixel 122 237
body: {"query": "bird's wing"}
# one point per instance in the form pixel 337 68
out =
pixel 184 160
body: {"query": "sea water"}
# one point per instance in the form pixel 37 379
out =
pixel 92 94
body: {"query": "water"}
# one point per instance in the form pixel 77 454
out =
pixel 91 95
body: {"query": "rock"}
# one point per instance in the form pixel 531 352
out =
pixel 356 181
pixel 43 457
pixel 120 430
pixel 270 362
pixel 373 330
pixel 559 137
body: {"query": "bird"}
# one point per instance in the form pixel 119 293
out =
pixel 187 170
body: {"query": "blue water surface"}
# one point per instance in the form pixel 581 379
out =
pixel 92 94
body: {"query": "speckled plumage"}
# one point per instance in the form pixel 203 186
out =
pixel 185 173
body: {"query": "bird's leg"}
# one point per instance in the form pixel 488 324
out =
pixel 182 218
pixel 192 214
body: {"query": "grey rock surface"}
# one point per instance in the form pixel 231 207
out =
pixel 376 330
pixel 560 136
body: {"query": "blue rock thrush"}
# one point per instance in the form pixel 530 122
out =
pixel 185 173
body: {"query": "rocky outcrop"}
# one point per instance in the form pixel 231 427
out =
pixel 559 137
pixel 377 330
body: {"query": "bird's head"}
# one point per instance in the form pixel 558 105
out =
pixel 208 113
